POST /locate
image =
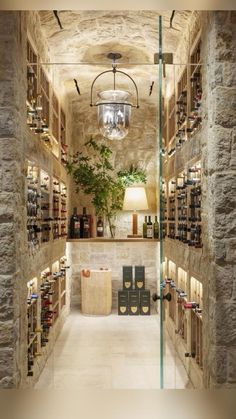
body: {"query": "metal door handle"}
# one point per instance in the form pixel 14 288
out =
pixel 167 297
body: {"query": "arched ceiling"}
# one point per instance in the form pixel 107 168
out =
pixel 88 36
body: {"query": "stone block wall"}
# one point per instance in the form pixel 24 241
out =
pixel 112 255
pixel 219 162
pixel 214 145
pixel 17 144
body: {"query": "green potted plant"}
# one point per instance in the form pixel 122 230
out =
pixel 95 175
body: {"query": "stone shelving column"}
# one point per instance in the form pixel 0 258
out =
pixel 219 201
pixel 12 191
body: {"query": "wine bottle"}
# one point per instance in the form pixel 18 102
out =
pixel 84 223
pixel 145 227
pixel 100 227
pixel 149 228
pixel 75 225
pixel 156 228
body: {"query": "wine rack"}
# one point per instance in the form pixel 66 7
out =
pixel 163 214
pixel 56 208
pixel 171 208
pixel 171 126
pixel 46 314
pixel 45 207
pixel 46 299
pixel 185 310
pixel 181 113
pixel 171 281
pixel 63 210
pixel 195 117
pixel 32 319
pixel 196 321
pixel 194 220
pixel 45 117
pixel 55 284
pixel 64 146
pixel 37 97
pixel 33 227
pixel 63 267
pixel 184 207
pixel 32 83
pixel 181 291
pixel 55 124
pixel 184 106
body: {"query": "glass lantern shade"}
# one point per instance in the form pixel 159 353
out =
pixel 114 112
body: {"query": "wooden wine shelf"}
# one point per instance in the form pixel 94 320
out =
pixel 107 240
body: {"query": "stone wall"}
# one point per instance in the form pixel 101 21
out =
pixel 112 255
pixel 219 162
pixel 214 145
pixel 12 251
pixel 17 144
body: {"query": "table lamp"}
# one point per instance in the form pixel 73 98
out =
pixel 135 200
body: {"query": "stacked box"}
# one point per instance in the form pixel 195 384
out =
pixel 123 303
pixel 139 277
pixel 145 303
pixel 134 302
pixel 127 277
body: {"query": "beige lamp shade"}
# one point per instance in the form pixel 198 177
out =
pixel 135 199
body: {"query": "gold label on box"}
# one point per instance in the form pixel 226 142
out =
pixel 127 284
pixel 123 309
pixel 139 284
pixel 145 309
pixel 134 309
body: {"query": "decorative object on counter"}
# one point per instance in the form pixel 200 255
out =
pixel 94 174
pixel 135 199
pixel 114 107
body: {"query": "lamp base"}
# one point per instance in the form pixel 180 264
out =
pixel 134 236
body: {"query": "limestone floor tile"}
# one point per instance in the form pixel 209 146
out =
pixel 112 352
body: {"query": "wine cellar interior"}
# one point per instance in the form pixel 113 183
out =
pixel 53 243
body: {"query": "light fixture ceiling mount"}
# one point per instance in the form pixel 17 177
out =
pixel 114 107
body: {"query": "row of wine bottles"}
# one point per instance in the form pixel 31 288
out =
pixel 150 229
pixel 81 225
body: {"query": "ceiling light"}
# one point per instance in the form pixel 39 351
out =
pixel 114 106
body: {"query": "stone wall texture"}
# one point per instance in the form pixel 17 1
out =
pixel 214 145
pixel 113 256
pixel 16 145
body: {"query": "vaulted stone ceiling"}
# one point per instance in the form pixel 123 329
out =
pixel 88 36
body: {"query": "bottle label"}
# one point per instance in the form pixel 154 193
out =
pixel 77 225
pixel 149 232
pixel 86 226
pixel 100 229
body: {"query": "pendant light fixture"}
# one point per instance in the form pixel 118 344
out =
pixel 114 106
